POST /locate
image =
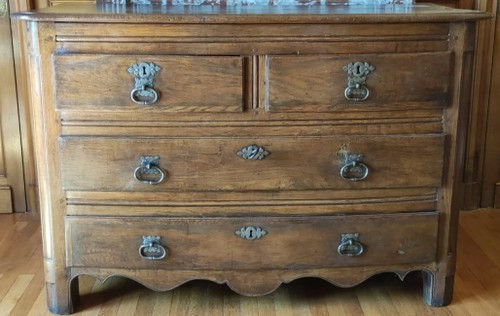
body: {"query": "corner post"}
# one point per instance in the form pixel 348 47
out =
pixel 61 291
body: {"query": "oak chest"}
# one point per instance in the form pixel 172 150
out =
pixel 249 145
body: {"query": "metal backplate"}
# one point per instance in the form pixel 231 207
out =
pixel 250 232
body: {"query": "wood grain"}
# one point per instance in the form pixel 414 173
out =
pixel 317 202
pixel 103 153
pixel 195 243
pixel 479 118
pixel 185 83
pixel 253 14
pixel 261 30
pixel 12 197
pixel 20 52
pixel 491 171
pixel 476 287
pixel 317 83
pixel 6 199
pixel 245 47
pixel 212 164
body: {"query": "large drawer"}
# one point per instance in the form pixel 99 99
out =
pixel 251 243
pixel 182 83
pixel 321 83
pixel 287 163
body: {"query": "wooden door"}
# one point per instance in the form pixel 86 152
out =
pixel 16 167
pixel 490 193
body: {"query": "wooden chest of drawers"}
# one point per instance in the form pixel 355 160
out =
pixel 249 146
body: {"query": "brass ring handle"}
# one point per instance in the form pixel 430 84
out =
pixel 145 92
pixel 356 80
pixel 139 171
pixel 360 90
pixel 150 165
pixel 144 74
pixel 348 168
pixel 151 248
pixel 350 246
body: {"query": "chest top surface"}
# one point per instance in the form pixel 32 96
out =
pixel 336 14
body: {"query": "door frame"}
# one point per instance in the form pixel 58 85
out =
pixel 25 192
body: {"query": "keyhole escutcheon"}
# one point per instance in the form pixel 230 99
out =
pixel 358 69
pixel 250 232
pixel 145 70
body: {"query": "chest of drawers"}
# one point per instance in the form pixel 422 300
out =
pixel 249 145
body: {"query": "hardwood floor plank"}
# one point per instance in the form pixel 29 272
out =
pixel 92 303
pixel 197 302
pixel 10 300
pixel 7 221
pixel 374 301
pixel 282 301
pixel 485 239
pixel 249 306
pixel 6 283
pixel 163 303
pixel 298 291
pixel 128 304
pixel 146 303
pixel 343 302
pixel 111 305
pixel 39 307
pixel 407 294
pixel 231 303
pixel 85 285
pixel 37 284
pixel 180 300
pixel 462 298
pixel 215 295
pixel 480 276
pixel 265 305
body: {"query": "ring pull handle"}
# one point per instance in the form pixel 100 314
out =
pixel 252 152
pixel 144 96
pixel 149 171
pixel 354 169
pixel 358 72
pixel 152 249
pixel 350 246
pixel 144 74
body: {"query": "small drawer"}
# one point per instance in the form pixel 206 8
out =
pixel 250 163
pixel 356 82
pixel 251 242
pixel 149 83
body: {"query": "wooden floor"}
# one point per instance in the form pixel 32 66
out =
pixel 477 284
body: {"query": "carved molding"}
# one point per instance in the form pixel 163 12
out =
pixel 244 282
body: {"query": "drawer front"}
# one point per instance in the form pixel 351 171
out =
pixel 181 83
pixel 251 243
pixel 274 163
pixel 325 83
